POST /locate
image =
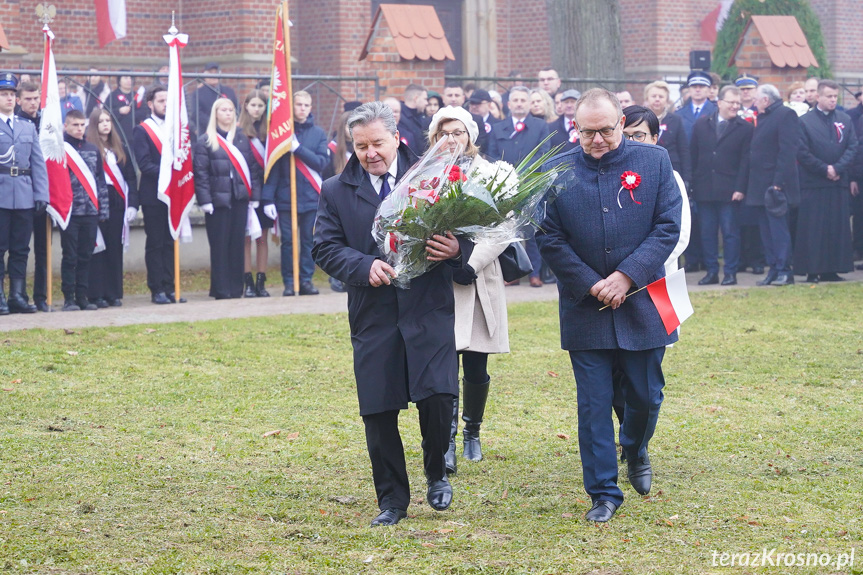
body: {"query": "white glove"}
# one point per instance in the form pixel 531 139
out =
pixel 295 143
pixel 207 208
pixel 131 214
pixel 254 205
pixel 270 211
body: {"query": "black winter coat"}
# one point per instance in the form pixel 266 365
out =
pixel 403 340
pixel 720 167
pixel 82 205
pixel 672 137
pixel 130 119
pixel 773 155
pixel 413 128
pixel 149 160
pixel 560 135
pixel 822 146
pixel 217 182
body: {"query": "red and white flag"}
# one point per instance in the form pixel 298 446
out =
pixel 51 139
pixel 671 299
pixel 280 133
pixel 110 20
pixel 176 180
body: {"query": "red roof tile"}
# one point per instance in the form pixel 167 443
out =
pixel 417 32
pixel 785 42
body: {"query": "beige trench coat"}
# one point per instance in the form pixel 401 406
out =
pixel 480 308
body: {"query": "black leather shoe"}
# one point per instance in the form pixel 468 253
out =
pixel 70 305
pixel 173 298
pixel 160 298
pixel 729 280
pixel 710 279
pixel 439 494
pixel 601 511
pixel 86 304
pixel 758 270
pixel 640 474
pixel 43 306
pixel 308 288
pixel 389 517
pixel 769 278
pixel 784 279
pixel 831 277
pixel 115 302
pixel 811 278
pixel 859 267
pixel 288 292
pixel 337 286
pixel 101 303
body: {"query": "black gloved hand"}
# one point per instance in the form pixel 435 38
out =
pixel 40 206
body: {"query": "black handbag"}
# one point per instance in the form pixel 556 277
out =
pixel 514 263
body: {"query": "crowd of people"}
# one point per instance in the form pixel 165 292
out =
pixel 775 178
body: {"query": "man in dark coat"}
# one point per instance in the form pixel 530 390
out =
pixel 124 109
pixel 828 150
pixel 412 123
pixel 511 141
pixel 159 246
pixel 403 339
pixel 697 105
pixel 720 160
pixel 774 184
pixel 565 132
pixel 600 244
pixel 312 156
pixel 453 95
pixel 206 95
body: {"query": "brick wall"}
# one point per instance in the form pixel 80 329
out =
pixel 752 57
pixel 842 26
pixel 523 40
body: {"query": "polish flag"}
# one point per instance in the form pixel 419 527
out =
pixel 176 180
pixel 671 299
pixel 51 139
pixel 110 20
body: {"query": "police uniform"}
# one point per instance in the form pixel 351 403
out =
pixel 23 189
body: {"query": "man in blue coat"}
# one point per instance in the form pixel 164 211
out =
pixel 603 240
pixel 403 339
pixel 312 156
pixel 23 190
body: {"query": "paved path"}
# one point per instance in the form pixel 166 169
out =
pixel 138 309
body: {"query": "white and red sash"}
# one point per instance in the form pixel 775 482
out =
pixel 82 171
pixel 154 131
pixel 258 150
pixel 115 177
pixel 332 146
pixel 312 176
pixel 238 161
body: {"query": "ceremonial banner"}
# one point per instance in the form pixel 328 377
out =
pixel 671 299
pixel 51 139
pixel 280 111
pixel 110 20
pixel 176 180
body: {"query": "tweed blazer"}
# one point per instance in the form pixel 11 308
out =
pixel 593 227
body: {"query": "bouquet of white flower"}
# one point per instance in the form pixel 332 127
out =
pixel 487 202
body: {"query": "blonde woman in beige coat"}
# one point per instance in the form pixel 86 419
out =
pixel 480 304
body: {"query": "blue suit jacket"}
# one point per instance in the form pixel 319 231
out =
pixel 586 236
pixel 685 114
pixel 514 149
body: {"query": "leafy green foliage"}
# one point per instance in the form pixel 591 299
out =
pixel 738 17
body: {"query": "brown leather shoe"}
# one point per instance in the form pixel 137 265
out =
pixel 535 281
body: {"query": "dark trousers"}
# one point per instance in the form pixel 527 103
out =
pixel 642 395
pixel 16 227
pixel 306 221
pixel 40 256
pixel 77 241
pixel 106 269
pixel 716 216
pixel 532 250
pixel 226 232
pixel 387 453
pixel 857 218
pixel 751 250
pixel 776 237
pixel 158 249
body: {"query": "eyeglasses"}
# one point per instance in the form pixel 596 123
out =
pixel 455 134
pixel 637 136
pixel 732 104
pixel 604 132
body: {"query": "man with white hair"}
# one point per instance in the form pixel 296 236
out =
pixel 773 180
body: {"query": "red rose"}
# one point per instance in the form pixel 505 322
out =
pixel 455 174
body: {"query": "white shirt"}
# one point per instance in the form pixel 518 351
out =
pixel 516 121
pixel 159 121
pixel 378 181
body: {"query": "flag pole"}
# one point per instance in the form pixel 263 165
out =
pixel 177 269
pixel 50 275
pixel 295 233
pixel 627 295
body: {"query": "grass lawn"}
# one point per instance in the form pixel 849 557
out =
pixel 144 449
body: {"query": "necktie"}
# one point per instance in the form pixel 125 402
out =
pixel 720 129
pixel 697 110
pixel 9 122
pixel 385 187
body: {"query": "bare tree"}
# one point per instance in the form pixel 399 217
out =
pixel 585 38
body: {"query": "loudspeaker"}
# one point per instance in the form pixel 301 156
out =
pixel 699 60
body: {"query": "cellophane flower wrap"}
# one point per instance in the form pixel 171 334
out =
pixel 489 203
